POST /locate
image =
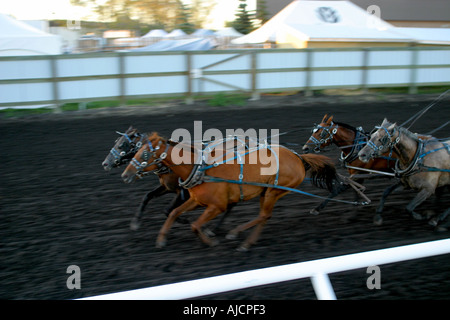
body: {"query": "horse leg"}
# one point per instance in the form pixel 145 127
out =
pixel 181 197
pixel 212 232
pixel 210 213
pixel 135 221
pixel 190 204
pixel 267 203
pixel 378 219
pixel 233 234
pixel 435 221
pixel 419 198
pixel 336 191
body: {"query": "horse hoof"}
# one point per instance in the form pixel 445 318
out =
pixel 231 236
pixel 134 224
pixel 378 220
pixel 314 212
pixel 242 248
pixel 417 216
pixel 433 222
pixel 209 233
pixel 161 244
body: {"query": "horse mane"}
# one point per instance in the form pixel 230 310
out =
pixel 408 133
pixel 341 124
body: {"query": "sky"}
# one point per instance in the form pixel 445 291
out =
pixel 62 9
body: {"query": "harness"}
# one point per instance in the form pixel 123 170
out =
pixel 323 137
pixel 416 165
pixel 146 155
pixel 358 143
pixel 198 174
pixel 129 148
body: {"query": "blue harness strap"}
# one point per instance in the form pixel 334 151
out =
pixel 267 185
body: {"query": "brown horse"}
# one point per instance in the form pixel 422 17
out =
pixel 350 140
pixel 216 196
pixel 423 164
pixel 123 151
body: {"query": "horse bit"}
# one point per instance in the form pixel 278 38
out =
pixel 324 138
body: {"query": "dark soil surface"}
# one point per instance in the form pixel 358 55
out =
pixel 60 208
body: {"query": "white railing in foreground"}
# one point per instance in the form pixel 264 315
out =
pixel 317 270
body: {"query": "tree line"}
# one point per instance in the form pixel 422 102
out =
pixel 144 15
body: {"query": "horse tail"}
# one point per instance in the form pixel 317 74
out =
pixel 321 169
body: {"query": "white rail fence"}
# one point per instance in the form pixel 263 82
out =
pixel 317 270
pixel 129 75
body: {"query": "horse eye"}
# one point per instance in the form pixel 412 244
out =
pixel 123 153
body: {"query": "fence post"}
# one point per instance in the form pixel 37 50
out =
pixel 413 70
pixel 308 76
pixel 322 287
pixel 365 70
pixel 189 99
pixel 54 73
pixel 122 79
pixel 254 70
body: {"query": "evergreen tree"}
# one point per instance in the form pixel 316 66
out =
pixel 183 19
pixel 243 22
pixel 261 12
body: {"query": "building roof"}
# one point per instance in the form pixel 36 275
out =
pixel 406 10
pixel 323 21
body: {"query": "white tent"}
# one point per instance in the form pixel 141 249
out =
pixel 179 45
pixel 435 36
pixel 228 32
pixel 18 38
pixel 156 33
pixel 176 34
pixel 203 33
pixel 323 21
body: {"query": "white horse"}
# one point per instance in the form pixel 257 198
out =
pixel 423 164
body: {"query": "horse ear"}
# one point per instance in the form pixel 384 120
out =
pixel 324 119
pixel 392 126
pixel 385 122
pixel 330 119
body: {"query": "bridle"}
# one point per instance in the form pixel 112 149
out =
pixel 129 148
pixel 326 135
pixel 146 156
pixel 387 141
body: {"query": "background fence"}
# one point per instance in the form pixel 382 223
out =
pixel 58 79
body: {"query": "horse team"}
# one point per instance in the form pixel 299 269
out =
pixel 419 162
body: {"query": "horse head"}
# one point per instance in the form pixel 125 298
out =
pixel 381 141
pixel 125 147
pixel 147 159
pixel 322 135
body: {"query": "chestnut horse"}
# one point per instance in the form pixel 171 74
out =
pixel 216 196
pixel 350 140
pixel 423 164
pixel 123 151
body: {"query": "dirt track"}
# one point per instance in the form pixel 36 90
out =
pixel 60 208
